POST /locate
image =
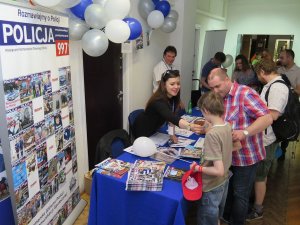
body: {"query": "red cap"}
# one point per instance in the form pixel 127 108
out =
pixel 192 185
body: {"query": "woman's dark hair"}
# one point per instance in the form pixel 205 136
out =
pixel 161 92
pixel 170 49
pixel 245 63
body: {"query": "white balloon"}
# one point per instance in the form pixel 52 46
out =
pixel 144 147
pixel 100 2
pixel 169 25
pixel 117 31
pixel 117 9
pixel 95 16
pixel 155 19
pixel 47 3
pixel 69 3
pixel 145 7
pixel 77 29
pixel 228 61
pixel 173 14
pixel 94 42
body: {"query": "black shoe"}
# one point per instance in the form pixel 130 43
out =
pixel 254 215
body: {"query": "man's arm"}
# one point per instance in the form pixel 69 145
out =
pixel 259 125
pixel 204 83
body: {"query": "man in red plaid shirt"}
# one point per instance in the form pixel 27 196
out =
pixel 249 116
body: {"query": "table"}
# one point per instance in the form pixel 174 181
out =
pixel 111 204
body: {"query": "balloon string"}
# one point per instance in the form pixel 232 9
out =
pixel 174 157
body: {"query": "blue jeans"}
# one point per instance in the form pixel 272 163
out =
pixel 211 205
pixel 240 186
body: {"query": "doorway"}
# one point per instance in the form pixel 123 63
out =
pixel 103 95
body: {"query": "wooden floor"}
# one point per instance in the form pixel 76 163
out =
pixel 282 203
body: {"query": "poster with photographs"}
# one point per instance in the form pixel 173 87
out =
pixel 39 117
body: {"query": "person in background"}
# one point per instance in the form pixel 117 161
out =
pixel 292 71
pixel 217 160
pixel 213 63
pixel 162 107
pixel 266 54
pixel 249 117
pixel 166 63
pixel 243 73
pixel 277 101
pixel 255 58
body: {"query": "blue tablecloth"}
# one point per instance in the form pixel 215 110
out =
pixel 111 204
pixel 6 213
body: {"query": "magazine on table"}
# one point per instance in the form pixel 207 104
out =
pixel 183 132
pixel 145 176
pixel 166 154
pixel 189 118
pixel 182 142
pixel 199 143
pixel 174 173
pixel 191 152
pixel 113 167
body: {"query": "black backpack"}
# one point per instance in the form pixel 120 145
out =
pixel 287 126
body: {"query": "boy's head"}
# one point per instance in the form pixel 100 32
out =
pixel 211 102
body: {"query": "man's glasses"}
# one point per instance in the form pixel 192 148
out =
pixel 170 72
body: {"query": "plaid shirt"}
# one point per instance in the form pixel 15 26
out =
pixel 242 107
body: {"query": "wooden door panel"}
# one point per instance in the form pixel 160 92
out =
pixel 102 81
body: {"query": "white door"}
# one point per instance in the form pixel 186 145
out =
pixel 214 42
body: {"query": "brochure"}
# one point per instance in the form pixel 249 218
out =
pixel 166 154
pixel 113 167
pixel 145 176
pixel 174 173
pixel 191 152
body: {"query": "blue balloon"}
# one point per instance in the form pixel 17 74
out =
pixel 155 1
pixel 134 26
pixel 78 10
pixel 164 7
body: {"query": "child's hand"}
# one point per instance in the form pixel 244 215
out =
pixel 194 164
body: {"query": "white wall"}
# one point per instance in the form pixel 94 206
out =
pixel 184 38
pixel 262 17
pixel 211 15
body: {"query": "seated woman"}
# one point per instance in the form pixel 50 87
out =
pixel 244 74
pixel 162 107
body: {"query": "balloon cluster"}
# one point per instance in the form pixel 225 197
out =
pixel 158 14
pixel 97 21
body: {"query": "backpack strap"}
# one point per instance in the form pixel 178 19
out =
pixel 268 90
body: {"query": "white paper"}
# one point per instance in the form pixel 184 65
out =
pixel 160 139
pixel 199 143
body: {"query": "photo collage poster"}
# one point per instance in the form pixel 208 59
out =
pixel 39 114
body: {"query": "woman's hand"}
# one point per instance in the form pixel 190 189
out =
pixel 174 139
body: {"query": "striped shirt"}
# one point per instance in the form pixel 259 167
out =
pixel 242 107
